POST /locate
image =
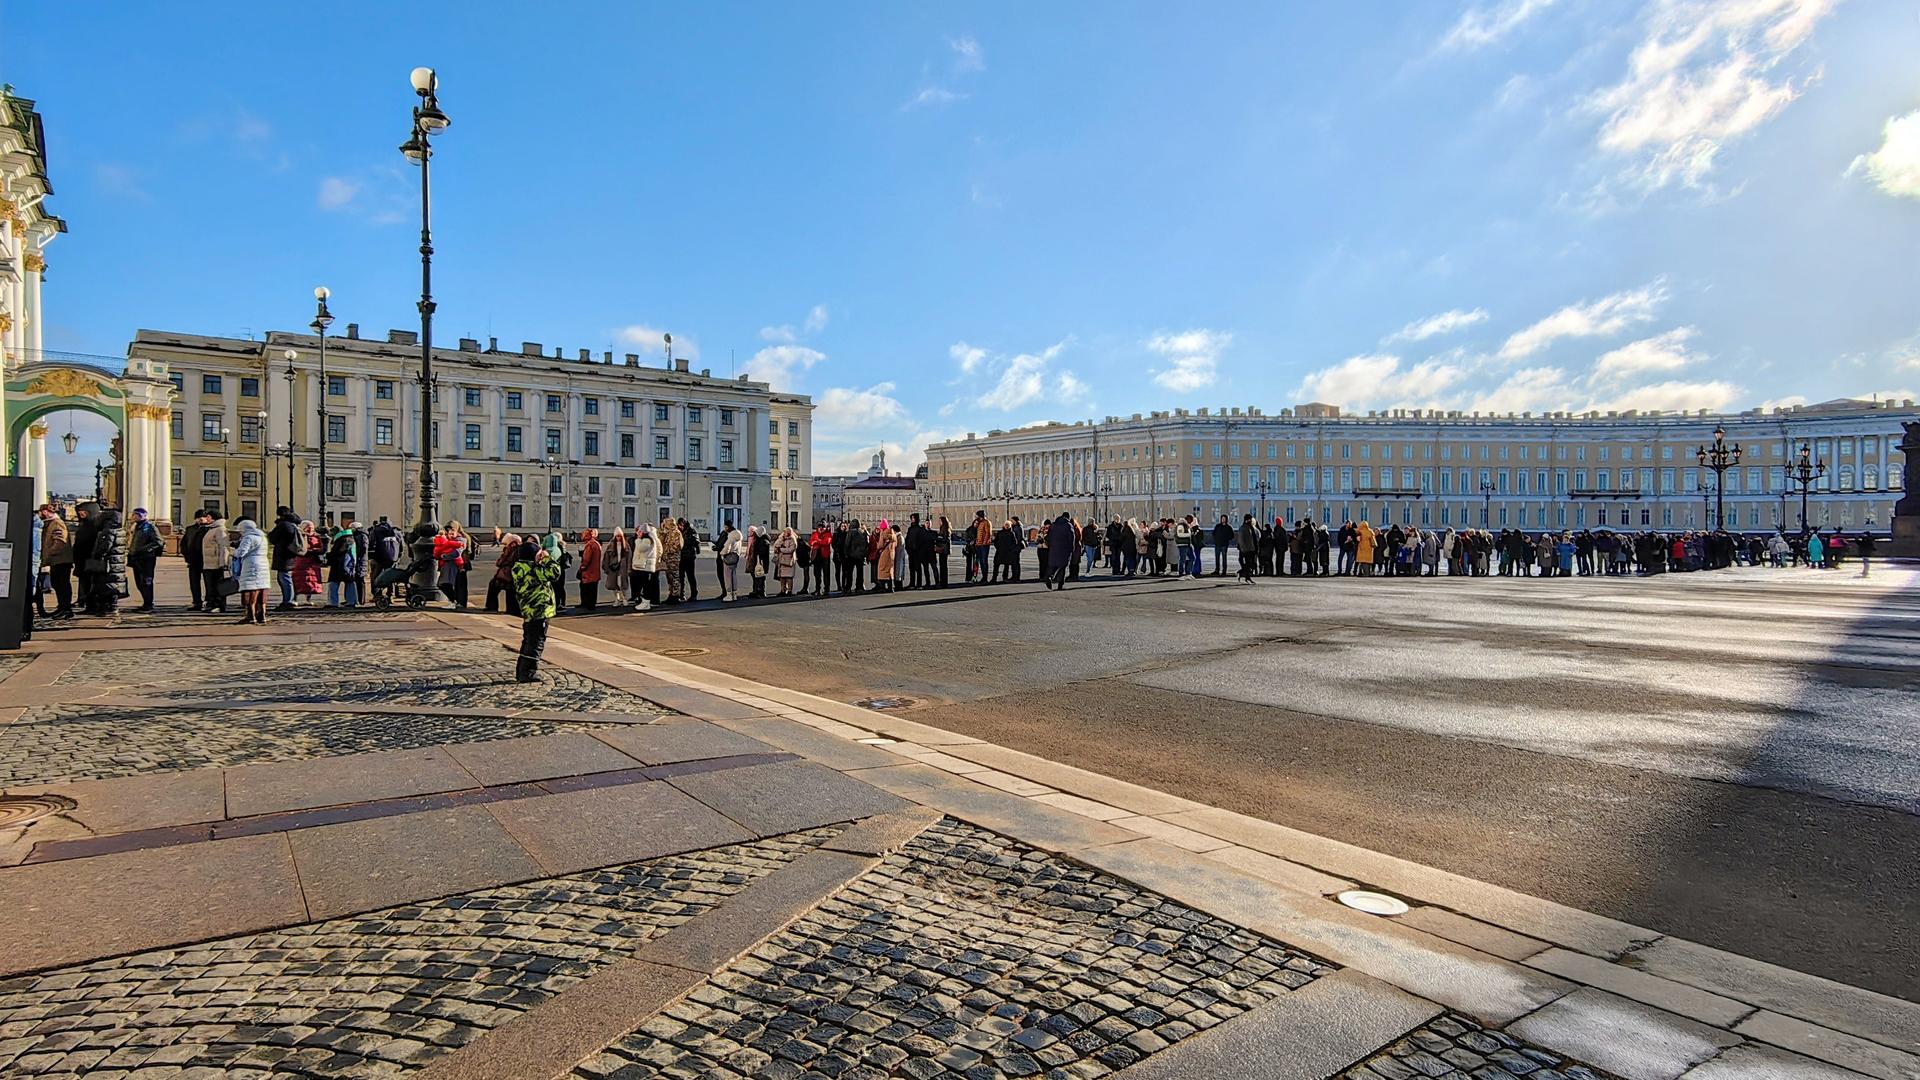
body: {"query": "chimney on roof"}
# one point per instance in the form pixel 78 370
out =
pixel 532 348
pixel 353 331
pixel 609 356
pixel 586 355
pixel 402 337
pixel 559 353
pixel 468 344
pixel 493 344
pixel 633 359
pixel 680 364
pixel 706 373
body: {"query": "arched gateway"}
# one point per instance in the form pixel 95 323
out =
pixel 137 402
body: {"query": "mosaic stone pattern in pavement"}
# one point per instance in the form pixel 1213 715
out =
pixel 1453 1047
pixel 965 955
pixel 57 744
pixel 364 996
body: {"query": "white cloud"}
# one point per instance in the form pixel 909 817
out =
pixel 1662 352
pixel 1535 389
pixel 1895 167
pixel 967 55
pixel 1374 379
pixel 1446 322
pixel 1704 75
pixel 815 322
pixel 1488 24
pixel 777 365
pixel 652 342
pixel 969 357
pixel 1596 318
pixel 1674 397
pixel 338 192
pixel 841 409
pixel 932 96
pixel 1026 378
pixel 1192 357
pixel 120 180
pixel 1787 402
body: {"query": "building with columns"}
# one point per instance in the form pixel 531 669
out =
pixel 26 228
pixel 522 439
pixel 1625 470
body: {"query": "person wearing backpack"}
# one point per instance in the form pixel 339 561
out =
pixel 383 548
pixel 343 568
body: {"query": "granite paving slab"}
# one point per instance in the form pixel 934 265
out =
pixel 670 740
pixel 141 802
pixel 1631 1040
pixel 540 757
pixel 66 912
pixel 302 785
pixel 578 830
pixel 363 865
pixel 779 798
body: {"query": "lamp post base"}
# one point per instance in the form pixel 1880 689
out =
pixel 1906 537
pixel 426 575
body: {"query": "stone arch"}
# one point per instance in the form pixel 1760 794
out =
pixel 137 401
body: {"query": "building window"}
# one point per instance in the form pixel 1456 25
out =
pixel 773 459
pixel 626 445
pixel 693 415
pixel 726 417
pixel 210 384
pixel 553 516
pixel 773 427
pixel 209 477
pixel 593 444
pixel 593 517
pixel 336 386
pixel 249 386
pixel 553 442
pixel 626 410
pixel 209 427
pixel 793 461
pixel 250 429
pixel 383 432
pixel 249 478
pixel 516 483
pixel 177 426
pixel 336 429
pixel 693 451
pixel 661 451
pixel 553 402
pixel 726 451
pixel 179 382
pixel 383 389
pixel 473 515
pixel 473 481
pixel 630 484
pixel 514 442
pixel 174 479
pixel 516 516
pixel 472 440
pixel 593 485
pixel 666 489
pixel 659 413
pixel 473 398
pixel 592 406
pixel 514 401
pixel 554 484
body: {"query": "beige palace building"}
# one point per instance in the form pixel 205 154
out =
pixel 1626 470
pixel 521 438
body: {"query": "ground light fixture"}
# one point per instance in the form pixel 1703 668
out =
pixel 1373 903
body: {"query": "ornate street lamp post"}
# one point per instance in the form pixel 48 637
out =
pixel 322 319
pixel 1008 495
pixel 1803 474
pixel 293 440
pixel 1263 487
pixel 260 432
pixel 428 121
pixel 1486 502
pixel 1719 457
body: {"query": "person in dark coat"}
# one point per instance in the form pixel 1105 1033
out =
pixel 1222 536
pixel 1248 541
pixel 1060 537
pixel 106 561
pixel 284 544
pixel 916 540
pixel 190 554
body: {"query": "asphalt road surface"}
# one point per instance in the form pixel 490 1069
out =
pixel 1732 757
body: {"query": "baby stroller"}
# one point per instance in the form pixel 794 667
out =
pixel 417 595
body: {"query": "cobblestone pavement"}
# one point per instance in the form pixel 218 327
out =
pixel 305 662
pixel 63 743
pixel 1455 1048
pixel 965 955
pixel 364 996
pixel 180 618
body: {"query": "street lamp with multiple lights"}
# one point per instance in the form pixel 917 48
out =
pixel 322 319
pixel 1719 457
pixel 428 121
pixel 1803 473
pixel 1263 487
pixel 293 443
pixel 1486 502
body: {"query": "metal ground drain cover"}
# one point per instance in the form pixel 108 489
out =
pixel 17 810
pixel 884 703
pixel 1373 903
pixel 688 651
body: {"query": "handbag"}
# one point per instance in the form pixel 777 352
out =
pixel 227 585
pixel 731 558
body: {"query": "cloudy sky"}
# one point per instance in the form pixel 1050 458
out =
pixel 944 218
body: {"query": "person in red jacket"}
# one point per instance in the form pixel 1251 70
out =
pixel 589 572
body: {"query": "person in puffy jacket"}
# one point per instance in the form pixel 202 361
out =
pixel 646 563
pixel 535 573
pixel 106 558
pixel 251 567
pixel 667 557
pixel 589 572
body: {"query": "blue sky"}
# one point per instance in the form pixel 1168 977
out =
pixel 938 219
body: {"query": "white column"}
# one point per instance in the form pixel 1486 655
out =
pixel 37 461
pixel 32 308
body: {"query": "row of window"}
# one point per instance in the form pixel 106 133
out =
pixel 211 386
pixel 1869 445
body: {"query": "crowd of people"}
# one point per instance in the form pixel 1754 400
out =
pixel 85 560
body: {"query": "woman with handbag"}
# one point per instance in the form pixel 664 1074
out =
pixel 219 582
pixel 732 548
pixel 616 560
pixel 589 573
pixel 646 558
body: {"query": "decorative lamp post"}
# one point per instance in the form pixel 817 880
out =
pixel 428 121
pixel 1263 487
pixel 1803 474
pixel 1008 495
pixel 70 442
pixel 293 441
pixel 260 432
pixel 226 472
pixel 1106 499
pixel 1486 502
pixel 322 318
pixel 1719 457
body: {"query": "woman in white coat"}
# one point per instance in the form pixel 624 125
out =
pixel 646 557
pixel 250 569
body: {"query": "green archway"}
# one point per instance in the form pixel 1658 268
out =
pixel 137 403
